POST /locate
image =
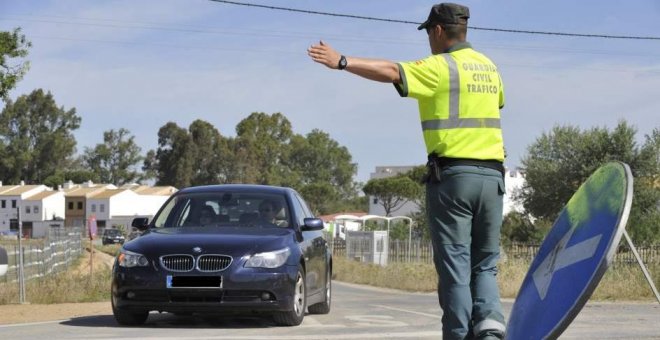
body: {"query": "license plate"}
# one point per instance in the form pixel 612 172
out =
pixel 214 282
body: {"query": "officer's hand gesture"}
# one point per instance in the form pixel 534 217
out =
pixel 324 54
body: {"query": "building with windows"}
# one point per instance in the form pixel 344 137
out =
pixel 42 211
pixel 75 204
pixel 12 199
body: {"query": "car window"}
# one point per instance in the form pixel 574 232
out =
pixel 300 212
pixel 308 212
pixel 225 208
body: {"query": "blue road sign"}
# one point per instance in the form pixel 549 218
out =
pixel 574 255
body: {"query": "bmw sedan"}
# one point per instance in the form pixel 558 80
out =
pixel 225 249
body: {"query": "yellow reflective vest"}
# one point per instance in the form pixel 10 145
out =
pixel 460 95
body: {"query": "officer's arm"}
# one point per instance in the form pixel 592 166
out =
pixel 373 69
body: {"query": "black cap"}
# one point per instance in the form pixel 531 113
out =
pixel 447 13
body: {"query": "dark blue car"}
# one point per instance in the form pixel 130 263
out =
pixel 226 248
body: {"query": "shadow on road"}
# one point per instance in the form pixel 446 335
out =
pixel 167 320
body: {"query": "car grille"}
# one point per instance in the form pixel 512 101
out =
pixel 213 263
pixel 178 263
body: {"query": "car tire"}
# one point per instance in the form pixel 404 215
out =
pixel 128 318
pixel 324 307
pixel 295 316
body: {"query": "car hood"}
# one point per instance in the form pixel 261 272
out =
pixel 233 241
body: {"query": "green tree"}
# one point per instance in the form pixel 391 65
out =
pixel 518 227
pixel 174 157
pixel 150 166
pixel 261 148
pixel 12 45
pixel 557 163
pixel 391 192
pixel 319 196
pixel 36 138
pixel 317 158
pixel 207 153
pixel 74 175
pixel 321 169
pixel 116 159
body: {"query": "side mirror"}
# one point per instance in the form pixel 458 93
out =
pixel 140 223
pixel 4 263
pixel 312 224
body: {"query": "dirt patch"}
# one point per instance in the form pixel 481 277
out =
pixel 101 261
pixel 15 313
pixel 62 311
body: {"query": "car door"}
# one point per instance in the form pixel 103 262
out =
pixel 317 251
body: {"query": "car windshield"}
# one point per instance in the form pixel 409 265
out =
pixel 224 208
pixel 112 232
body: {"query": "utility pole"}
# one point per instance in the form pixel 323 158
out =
pixel 21 268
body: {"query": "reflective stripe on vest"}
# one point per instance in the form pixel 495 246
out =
pixel 453 122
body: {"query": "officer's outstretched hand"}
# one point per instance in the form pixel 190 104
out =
pixel 324 54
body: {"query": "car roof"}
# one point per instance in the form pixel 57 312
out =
pixel 248 188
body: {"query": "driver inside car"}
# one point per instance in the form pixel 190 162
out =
pixel 207 216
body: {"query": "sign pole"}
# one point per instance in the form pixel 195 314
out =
pixel 21 267
pixel 91 228
pixel 641 264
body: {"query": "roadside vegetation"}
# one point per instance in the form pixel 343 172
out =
pixel 620 283
pixel 73 285
pixel 110 249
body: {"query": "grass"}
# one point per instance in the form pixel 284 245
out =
pixel 69 286
pixel 620 283
pixel 111 249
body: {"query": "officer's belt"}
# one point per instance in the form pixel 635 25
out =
pixel 445 162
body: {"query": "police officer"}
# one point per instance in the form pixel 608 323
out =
pixel 459 92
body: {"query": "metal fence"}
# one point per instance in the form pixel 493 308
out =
pixel 422 251
pixel 43 257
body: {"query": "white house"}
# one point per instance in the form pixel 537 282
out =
pixel 513 181
pixel 118 207
pixel 152 198
pixel 43 210
pixel 12 198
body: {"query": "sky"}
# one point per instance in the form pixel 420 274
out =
pixel 140 64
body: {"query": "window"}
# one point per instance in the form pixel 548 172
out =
pixel 70 205
pixel 102 207
pixel 93 207
pixel 27 209
pixel 80 206
pixel 13 204
pixel 300 212
pixel 36 209
pixel 4 203
pixel 375 200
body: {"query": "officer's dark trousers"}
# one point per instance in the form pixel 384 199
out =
pixel 465 218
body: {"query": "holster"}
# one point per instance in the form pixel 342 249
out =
pixel 433 171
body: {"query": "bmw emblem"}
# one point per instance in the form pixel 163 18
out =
pixel 197 250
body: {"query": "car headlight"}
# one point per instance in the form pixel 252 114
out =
pixel 129 259
pixel 271 259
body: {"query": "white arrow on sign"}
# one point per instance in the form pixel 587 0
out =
pixel 562 257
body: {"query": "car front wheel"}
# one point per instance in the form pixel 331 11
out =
pixel 128 318
pixel 295 316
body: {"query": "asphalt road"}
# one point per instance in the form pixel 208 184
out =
pixel 358 312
